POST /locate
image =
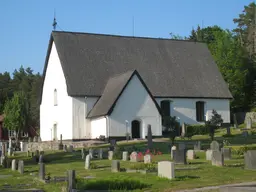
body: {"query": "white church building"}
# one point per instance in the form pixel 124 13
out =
pixel 106 85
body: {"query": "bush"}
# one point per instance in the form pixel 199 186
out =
pixel 240 150
pixel 117 153
pixel 111 184
pixel 197 130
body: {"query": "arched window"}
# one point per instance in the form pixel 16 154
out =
pixel 166 108
pixel 200 111
pixel 55 98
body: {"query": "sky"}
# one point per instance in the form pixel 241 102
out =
pixel 26 25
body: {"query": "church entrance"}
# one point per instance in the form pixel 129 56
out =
pixel 135 129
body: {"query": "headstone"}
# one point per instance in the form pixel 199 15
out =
pixel 166 169
pixel 41 159
pixel 83 153
pixel 245 134
pixel 250 159
pixel 182 146
pixel 191 154
pixel 197 146
pixel 21 166
pixel 65 148
pixel 134 157
pixel 215 146
pixel 125 156
pixel 70 148
pixel 60 144
pixel 209 155
pixel 248 123
pixel 71 185
pixel 147 159
pixel 10 151
pixel 149 137
pixel 100 153
pixel 235 121
pixel 183 130
pixel 91 153
pixel 112 144
pixel 110 155
pixel 217 158
pixel 172 149
pixel 115 166
pixel 179 156
pixel 41 173
pixel 3 149
pixel 228 131
pixel 14 165
pixel 87 161
pixel 35 139
pixel 226 153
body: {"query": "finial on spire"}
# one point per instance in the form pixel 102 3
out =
pixel 54 24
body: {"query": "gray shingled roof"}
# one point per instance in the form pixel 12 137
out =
pixel 113 90
pixel 170 68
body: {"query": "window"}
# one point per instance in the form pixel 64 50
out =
pixel 165 107
pixel 55 97
pixel 200 115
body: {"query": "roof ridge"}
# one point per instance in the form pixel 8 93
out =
pixel 126 36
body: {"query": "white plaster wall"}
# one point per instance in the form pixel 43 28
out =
pixel 79 118
pixel 185 108
pixel 134 103
pixel 98 127
pixel 62 113
pixel 89 103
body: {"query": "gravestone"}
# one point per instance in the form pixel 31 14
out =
pixel 149 137
pixel 14 165
pixel 70 148
pixel 235 121
pixel 215 146
pixel 197 146
pixel 41 173
pixel 217 158
pixel 248 123
pixel 112 144
pixel 179 156
pixel 183 130
pixel 166 169
pixel 209 155
pixel 115 167
pixel 245 133
pixel 8 163
pixel 87 162
pixel 91 153
pixel 100 153
pixel 134 157
pixel 83 153
pixel 228 131
pixel 172 149
pixel 10 151
pixel 21 166
pixel 60 144
pixel 110 155
pixel 182 146
pixel 125 156
pixel 147 159
pixel 250 159
pixel 23 146
pixel 191 154
pixel 71 184
pixel 65 148
pixel 226 153
pixel 3 149
pixel 41 159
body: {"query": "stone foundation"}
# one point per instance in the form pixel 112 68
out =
pixel 52 145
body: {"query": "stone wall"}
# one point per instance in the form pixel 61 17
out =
pixel 51 145
pixel 251 115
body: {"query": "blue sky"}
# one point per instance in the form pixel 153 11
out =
pixel 26 25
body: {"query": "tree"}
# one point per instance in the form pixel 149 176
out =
pixel 16 113
pixel 214 123
pixel 171 126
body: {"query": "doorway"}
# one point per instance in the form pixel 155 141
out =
pixel 135 129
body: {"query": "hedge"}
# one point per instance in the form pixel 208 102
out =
pixel 240 150
pixel 197 130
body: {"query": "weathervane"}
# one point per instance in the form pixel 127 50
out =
pixel 54 22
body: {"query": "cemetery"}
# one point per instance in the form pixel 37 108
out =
pixel 142 165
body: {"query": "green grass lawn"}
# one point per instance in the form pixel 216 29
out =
pixel 197 173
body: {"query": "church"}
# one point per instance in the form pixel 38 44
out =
pixel 98 85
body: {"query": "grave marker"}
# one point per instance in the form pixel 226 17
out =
pixel 226 153
pixel 110 155
pixel 248 123
pixel 147 159
pixel 21 166
pixel 179 156
pixel 166 169
pixel 70 149
pixel 217 158
pixel 215 146
pixel 191 154
pixel 197 146
pixel 115 167
pixel 41 159
pixel 87 161
pixel 71 185
pixel 41 172
pixel 182 146
pixel 91 153
pixel 209 155
pixel 14 165
pixel 125 156
pixel 172 149
pixel 134 157
pixel 250 159
pixel 149 137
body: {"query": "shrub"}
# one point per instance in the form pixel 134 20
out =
pixel 93 165
pixel 117 153
pixel 196 130
pixel 172 126
pixel 240 150
pixel 111 184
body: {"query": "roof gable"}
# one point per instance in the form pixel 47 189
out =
pixel 170 68
pixel 113 90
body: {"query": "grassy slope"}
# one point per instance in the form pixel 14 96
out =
pixel 205 175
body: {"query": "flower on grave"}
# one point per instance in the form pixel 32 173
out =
pixel 140 156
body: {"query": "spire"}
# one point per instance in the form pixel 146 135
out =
pixel 54 24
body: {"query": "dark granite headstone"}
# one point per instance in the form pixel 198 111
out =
pixel 41 172
pixel 149 137
pixel 179 156
pixel 250 159
pixel 226 153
